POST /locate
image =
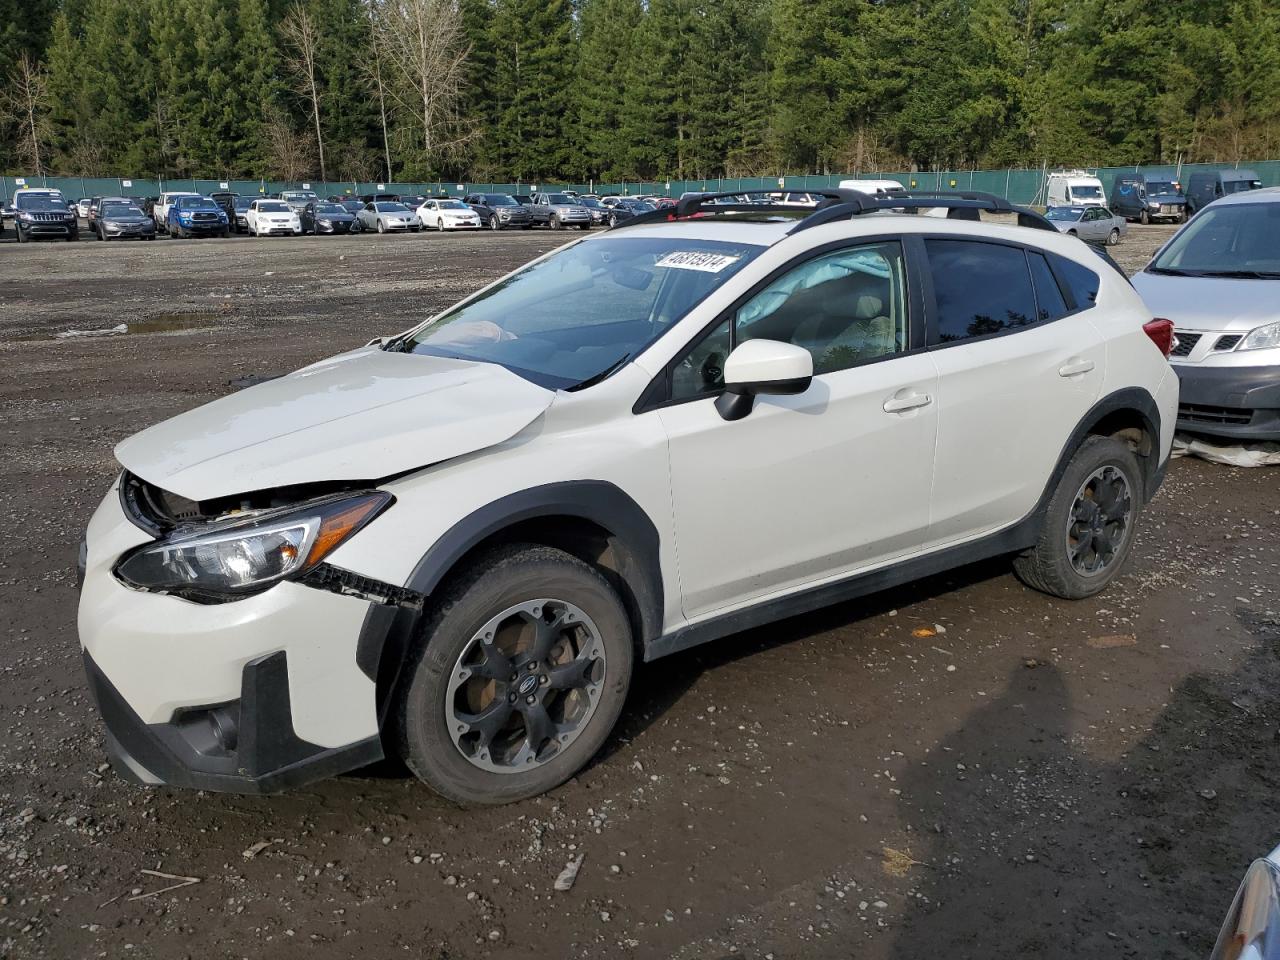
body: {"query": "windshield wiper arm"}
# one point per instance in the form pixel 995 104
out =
pixel 592 380
pixel 1172 272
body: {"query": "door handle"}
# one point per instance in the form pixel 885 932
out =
pixel 901 404
pixel 1074 368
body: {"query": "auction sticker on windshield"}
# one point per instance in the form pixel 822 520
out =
pixel 698 260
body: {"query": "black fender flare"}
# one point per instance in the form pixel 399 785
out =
pixel 388 630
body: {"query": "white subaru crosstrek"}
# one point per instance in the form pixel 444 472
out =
pixel 454 545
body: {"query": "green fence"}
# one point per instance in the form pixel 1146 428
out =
pixel 1018 185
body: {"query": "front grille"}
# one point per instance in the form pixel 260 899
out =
pixel 208 217
pixel 1186 343
pixel 1203 413
pixel 1228 342
pixel 49 217
pixel 1168 208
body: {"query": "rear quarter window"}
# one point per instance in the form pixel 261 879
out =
pixel 1081 282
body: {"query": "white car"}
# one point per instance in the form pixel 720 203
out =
pixel 388 216
pixel 448 215
pixel 456 544
pixel 266 218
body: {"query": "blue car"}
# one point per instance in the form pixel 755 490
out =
pixel 197 217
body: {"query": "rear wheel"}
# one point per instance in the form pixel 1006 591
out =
pixel 517 679
pixel 1113 237
pixel 1089 527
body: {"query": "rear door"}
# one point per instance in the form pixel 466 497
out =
pixel 1019 365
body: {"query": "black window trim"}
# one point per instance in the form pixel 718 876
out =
pixel 657 395
pixel 931 303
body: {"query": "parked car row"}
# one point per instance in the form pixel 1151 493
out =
pixel 1145 197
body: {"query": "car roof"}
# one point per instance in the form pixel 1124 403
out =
pixel 1263 195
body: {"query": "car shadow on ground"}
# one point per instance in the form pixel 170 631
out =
pixel 1015 818
pixel 658 686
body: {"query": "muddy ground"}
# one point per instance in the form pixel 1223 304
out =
pixel 1042 779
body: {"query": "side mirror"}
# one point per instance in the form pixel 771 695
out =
pixel 762 367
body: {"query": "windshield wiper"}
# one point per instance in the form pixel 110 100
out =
pixel 1172 272
pixel 1240 274
pixel 591 381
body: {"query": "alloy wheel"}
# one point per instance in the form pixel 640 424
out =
pixel 1100 521
pixel 525 686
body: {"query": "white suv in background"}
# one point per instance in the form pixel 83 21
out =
pixel 455 544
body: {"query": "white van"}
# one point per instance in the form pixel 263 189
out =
pixel 1074 188
pixel 873 188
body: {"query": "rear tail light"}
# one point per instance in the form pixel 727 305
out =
pixel 1161 333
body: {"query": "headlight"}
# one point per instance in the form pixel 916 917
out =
pixel 229 560
pixel 26 216
pixel 1262 338
pixel 1153 204
pixel 325 223
pixel 1253 924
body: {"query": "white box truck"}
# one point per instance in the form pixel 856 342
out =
pixel 1074 188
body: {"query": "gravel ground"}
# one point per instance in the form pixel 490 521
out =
pixel 957 768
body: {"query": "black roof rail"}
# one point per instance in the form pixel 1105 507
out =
pixel 842 204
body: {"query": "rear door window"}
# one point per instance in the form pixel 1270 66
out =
pixel 979 289
pixel 1050 304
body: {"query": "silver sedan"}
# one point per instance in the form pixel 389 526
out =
pixel 1094 224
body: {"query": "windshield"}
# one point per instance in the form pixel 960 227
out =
pixel 452 205
pixel 242 203
pixel 41 203
pixel 1161 186
pixel 196 203
pixel 1082 191
pixel 1063 213
pixel 120 210
pixel 499 200
pixel 1239 186
pixel 586 309
pixel 591 202
pixel 1232 240
pixel 273 206
pixel 329 208
pixel 297 195
pixel 562 198
pixel 390 208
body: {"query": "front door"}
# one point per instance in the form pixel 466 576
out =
pixel 810 487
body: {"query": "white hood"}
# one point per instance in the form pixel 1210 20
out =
pixel 359 416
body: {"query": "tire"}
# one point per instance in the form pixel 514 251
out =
pixel 554 222
pixel 494 223
pixel 225 233
pixel 1113 238
pixel 101 234
pixel 1072 233
pixel 584 226
pixel 1048 566
pixel 498 581
pixel 382 227
pixel 440 224
pixel 1182 217
pixel 1144 218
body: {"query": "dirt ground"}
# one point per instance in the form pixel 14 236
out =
pixel 959 768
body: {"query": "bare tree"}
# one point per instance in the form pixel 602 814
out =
pixel 25 101
pixel 302 42
pixel 288 152
pixel 420 47
pixel 373 77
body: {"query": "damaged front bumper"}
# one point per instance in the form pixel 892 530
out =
pixel 250 696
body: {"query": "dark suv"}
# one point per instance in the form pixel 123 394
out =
pixel 43 213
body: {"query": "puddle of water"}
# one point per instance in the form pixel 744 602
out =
pixel 160 323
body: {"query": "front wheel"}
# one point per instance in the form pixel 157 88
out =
pixel 1113 237
pixel 554 223
pixel 518 677
pixel 382 227
pixel 494 224
pixel 440 224
pixel 1089 527
pixel 1144 218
